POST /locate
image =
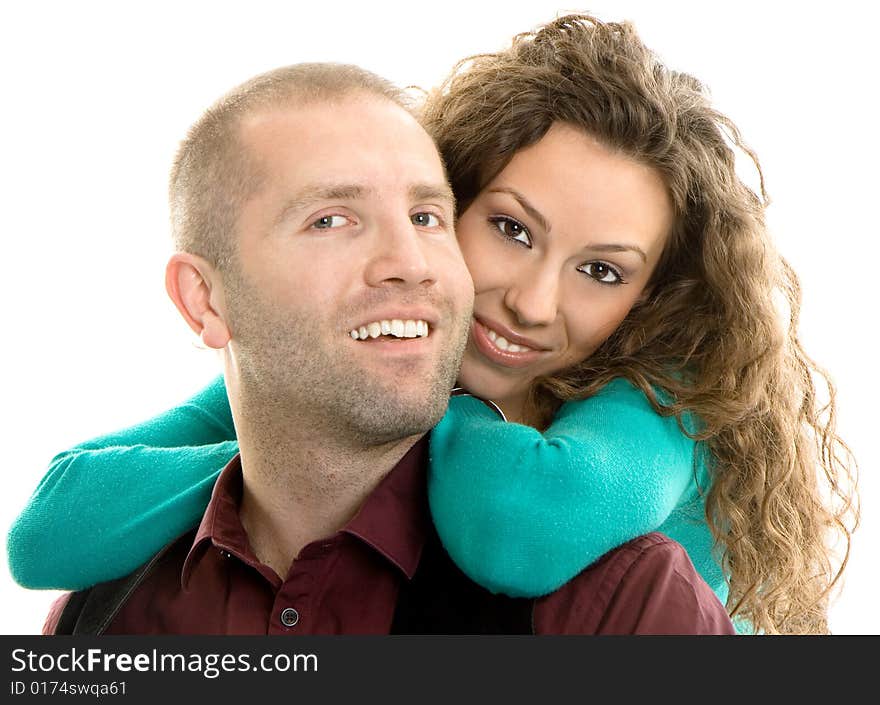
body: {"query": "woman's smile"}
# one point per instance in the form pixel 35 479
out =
pixel 502 346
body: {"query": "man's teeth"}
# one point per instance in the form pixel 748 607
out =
pixel 394 327
pixel 501 342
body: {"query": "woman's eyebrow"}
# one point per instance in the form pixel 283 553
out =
pixel 526 206
pixel 614 247
pixel 545 224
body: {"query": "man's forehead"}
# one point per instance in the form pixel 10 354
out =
pixel 357 150
pixel 346 115
pixel 371 135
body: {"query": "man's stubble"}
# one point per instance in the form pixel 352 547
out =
pixel 293 369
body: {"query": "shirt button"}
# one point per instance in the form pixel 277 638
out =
pixel 289 617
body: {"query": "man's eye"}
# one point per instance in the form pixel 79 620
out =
pixel 425 220
pixel 328 222
pixel 512 229
pixel 601 272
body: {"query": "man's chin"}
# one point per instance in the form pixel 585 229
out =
pixel 399 413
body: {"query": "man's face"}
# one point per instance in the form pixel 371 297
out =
pixel 350 236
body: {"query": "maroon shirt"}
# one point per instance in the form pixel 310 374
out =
pixel 210 581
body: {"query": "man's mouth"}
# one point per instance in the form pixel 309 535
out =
pixel 391 329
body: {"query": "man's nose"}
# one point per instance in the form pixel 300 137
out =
pixel 399 256
pixel 534 296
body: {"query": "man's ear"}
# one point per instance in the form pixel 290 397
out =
pixel 190 281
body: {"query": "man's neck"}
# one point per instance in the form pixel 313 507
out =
pixel 299 487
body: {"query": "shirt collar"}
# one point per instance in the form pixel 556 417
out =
pixel 221 525
pixel 392 520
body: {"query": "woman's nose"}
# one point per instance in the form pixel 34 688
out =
pixel 533 298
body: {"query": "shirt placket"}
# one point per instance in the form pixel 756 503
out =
pixel 293 611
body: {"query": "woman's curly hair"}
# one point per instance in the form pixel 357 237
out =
pixel 711 333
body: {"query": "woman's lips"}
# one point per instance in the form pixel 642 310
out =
pixel 506 358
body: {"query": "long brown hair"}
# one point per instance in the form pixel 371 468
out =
pixel 710 334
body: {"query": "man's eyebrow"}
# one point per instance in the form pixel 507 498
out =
pixel 321 192
pixel 432 192
pixel 351 192
pixel 526 206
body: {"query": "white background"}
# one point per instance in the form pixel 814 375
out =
pixel 96 97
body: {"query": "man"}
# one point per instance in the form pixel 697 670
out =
pixel 306 204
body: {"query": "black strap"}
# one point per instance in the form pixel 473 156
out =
pixel 440 599
pixel 90 611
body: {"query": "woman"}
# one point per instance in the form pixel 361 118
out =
pixel 624 316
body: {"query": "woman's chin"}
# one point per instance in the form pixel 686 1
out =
pixel 475 381
pixel 506 403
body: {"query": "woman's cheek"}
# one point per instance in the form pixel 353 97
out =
pixel 588 332
pixel 483 265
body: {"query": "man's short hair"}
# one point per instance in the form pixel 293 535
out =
pixel 214 174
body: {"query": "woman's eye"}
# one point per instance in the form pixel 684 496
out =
pixel 425 220
pixel 601 272
pixel 327 222
pixel 512 229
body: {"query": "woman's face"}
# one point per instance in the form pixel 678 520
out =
pixel 560 246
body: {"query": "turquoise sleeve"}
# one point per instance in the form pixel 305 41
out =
pixel 522 512
pixel 106 506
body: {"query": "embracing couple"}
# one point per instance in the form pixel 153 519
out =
pixel 505 361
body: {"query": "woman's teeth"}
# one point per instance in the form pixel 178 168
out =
pixel 502 344
pixel 395 327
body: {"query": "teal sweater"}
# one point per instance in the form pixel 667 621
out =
pixel 519 511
